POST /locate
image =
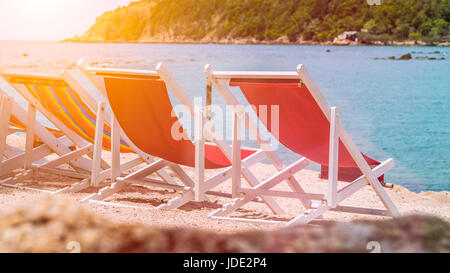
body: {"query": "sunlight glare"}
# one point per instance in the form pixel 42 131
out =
pixel 50 19
pixel 45 7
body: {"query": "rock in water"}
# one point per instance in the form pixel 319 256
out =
pixel 406 57
pixel 58 225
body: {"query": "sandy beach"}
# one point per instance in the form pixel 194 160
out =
pixel 195 215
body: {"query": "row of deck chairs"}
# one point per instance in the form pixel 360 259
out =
pixel 133 115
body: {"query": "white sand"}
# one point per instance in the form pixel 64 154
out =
pixel 194 214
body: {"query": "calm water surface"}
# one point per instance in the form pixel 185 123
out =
pixel 398 109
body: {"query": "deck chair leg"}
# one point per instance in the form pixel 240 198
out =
pixel 367 171
pixel 333 159
pixel 105 174
pixel 175 203
pixel 208 184
pixel 5 113
pixel 232 206
pixel 98 144
pixel 314 213
pixel 76 187
pixel 253 181
pixel 106 191
pixel 67 158
pixel 16 162
pixel 188 195
pixel 269 183
pixel 185 179
pixel 361 182
pixel 115 149
pixel 103 164
pixel 295 186
pixel 30 136
pixel 199 155
pixel 236 162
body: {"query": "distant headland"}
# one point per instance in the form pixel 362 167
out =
pixel 311 22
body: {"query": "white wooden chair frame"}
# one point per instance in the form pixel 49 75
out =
pixel 192 190
pixel 75 78
pixel 32 159
pixel 84 87
pixel 98 169
pixel 325 202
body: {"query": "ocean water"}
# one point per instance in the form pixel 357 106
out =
pixel 398 109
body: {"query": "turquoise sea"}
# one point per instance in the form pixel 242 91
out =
pixel 398 109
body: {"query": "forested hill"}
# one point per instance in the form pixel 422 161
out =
pixel 271 20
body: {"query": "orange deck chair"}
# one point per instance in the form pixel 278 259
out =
pixel 86 128
pixel 139 100
pixel 40 142
pixel 309 127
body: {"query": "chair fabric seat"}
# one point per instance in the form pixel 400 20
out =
pixel 14 122
pixel 302 127
pixel 66 105
pixel 145 113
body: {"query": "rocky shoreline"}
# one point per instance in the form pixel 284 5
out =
pixel 430 56
pixel 252 41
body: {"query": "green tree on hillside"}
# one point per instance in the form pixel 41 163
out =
pixel 319 20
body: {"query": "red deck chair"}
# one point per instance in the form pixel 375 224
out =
pixel 309 127
pixel 140 102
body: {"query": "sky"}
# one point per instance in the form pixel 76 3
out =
pixel 50 19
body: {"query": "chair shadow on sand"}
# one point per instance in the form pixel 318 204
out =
pixel 151 199
pixel 155 201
